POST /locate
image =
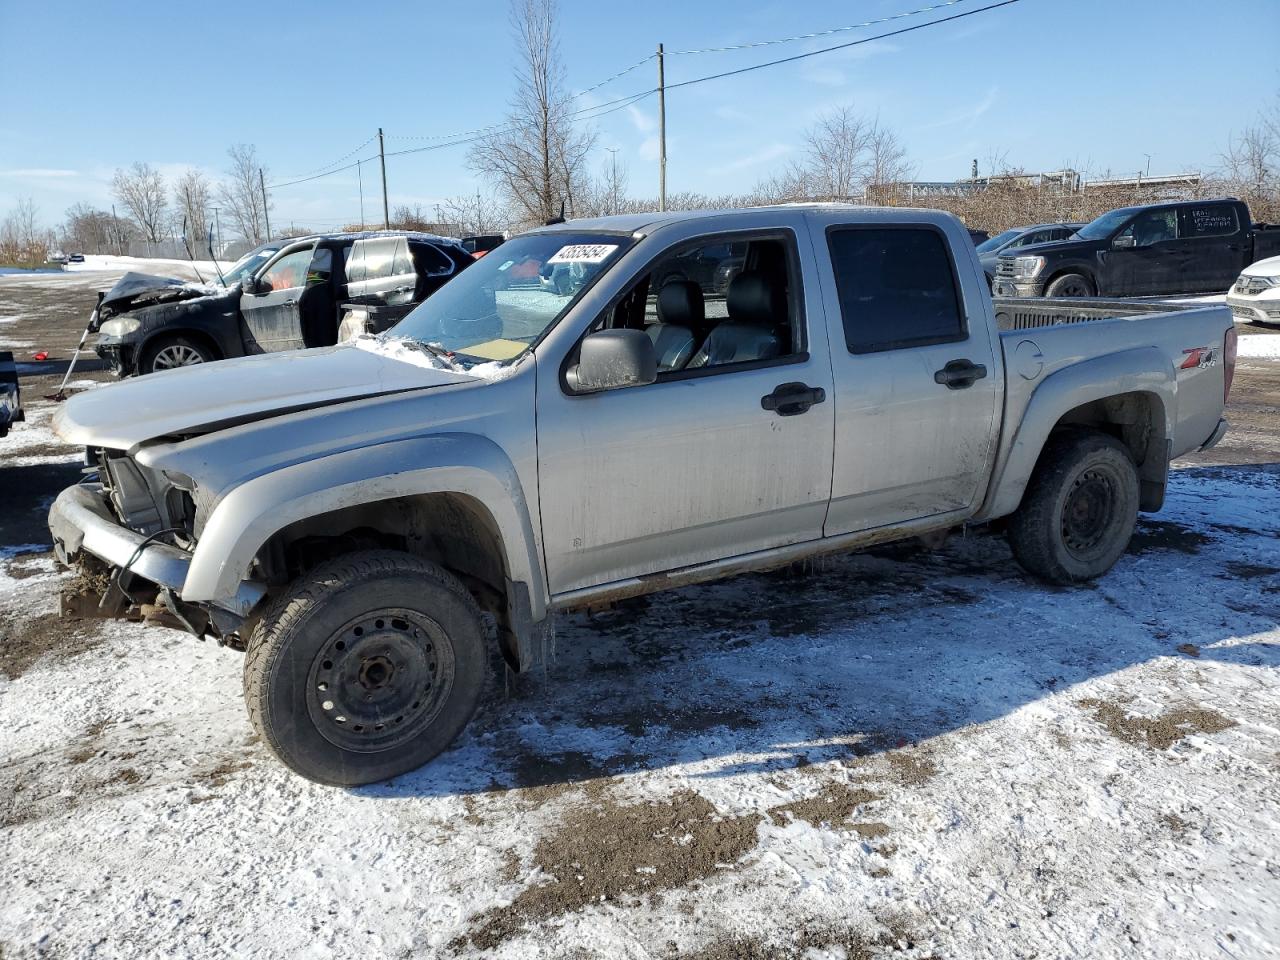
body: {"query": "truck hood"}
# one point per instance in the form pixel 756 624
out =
pixel 1055 248
pixel 142 289
pixel 212 396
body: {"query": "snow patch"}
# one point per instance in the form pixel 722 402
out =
pixel 1259 346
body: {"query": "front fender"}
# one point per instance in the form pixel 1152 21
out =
pixel 1141 370
pixel 466 464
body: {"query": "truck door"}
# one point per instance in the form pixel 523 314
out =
pixel 918 377
pixel 1146 257
pixel 270 321
pixel 1216 245
pixel 727 453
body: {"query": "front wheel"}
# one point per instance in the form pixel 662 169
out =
pixel 1070 285
pixel 1079 510
pixel 169 353
pixel 366 668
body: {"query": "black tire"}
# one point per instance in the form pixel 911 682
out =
pixel 320 676
pixel 1071 285
pixel 1079 510
pixel 172 352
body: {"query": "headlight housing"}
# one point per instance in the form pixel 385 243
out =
pixel 1027 268
pixel 120 326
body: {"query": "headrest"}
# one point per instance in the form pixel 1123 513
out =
pixel 753 299
pixel 680 303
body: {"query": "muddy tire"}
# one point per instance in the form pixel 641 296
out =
pixel 1079 509
pixel 1071 285
pixel 366 668
pixel 169 353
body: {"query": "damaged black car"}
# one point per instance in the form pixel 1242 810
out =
pixel 285 295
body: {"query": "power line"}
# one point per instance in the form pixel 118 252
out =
pixel 841 46
pixel 818 33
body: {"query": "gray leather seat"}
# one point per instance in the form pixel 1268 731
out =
pixel 681 324
pixel 756 309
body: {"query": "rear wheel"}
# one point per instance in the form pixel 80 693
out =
pixel 168 353
pixel 1070 285
pixel 1079 510
pixel 366 668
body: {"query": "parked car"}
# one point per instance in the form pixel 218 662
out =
pixel 281 296
pixel 366 520
pixel 1255 296
pixel 1006 241
pixel 76 258
pixel 1187 246
pixel 10 396
pixel 481 244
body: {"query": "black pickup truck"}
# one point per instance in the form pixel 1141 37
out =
pixel 1194 246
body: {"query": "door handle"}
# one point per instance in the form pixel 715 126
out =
pixel 958 374
pixel 789 399
pixel 290 303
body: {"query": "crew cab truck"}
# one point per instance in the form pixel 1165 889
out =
pixel 367 519
pixel 1197 246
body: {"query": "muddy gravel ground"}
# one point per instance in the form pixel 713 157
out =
pixel 894 754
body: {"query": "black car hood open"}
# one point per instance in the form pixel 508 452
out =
pixel 142 289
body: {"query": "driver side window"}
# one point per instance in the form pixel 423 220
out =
pixel 1155 226
pixel 289 272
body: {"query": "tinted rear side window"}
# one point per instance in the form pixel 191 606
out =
pixel 400 265
pixel 431 262
pixel 897 288
pixel 1209 221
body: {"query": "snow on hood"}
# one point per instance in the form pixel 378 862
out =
pixel 211 396
pixel 1269 267
pixel 134 289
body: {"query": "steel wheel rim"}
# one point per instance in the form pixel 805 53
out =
pixel 1075 289
pixel 378 681
pixel 1088 512
pixel 176 355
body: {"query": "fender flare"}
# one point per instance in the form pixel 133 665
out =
pixel 1141 370
pixel 250 514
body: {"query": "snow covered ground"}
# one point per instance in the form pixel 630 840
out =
pixel 183 269
pixel 908 755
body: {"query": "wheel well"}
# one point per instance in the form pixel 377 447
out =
pixel 198 336
pixel 1063 271
pixel 450 529
pixel 1136 420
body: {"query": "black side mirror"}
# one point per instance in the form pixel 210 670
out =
pixel 614 358
pixel 1124 242
pixel 249 285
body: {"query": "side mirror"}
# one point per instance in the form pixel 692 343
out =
pixel 614 358
pixel 249 285
pixel 1124 242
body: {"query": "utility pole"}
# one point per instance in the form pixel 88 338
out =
pixel 119 237
pixel 262 184
pixel 613 179
pixel 662 134
pixel 382 158
pixel 360 183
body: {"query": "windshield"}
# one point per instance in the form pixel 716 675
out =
pixel 498 306
pixel 1105 225
pixel 996 242
pixel 250 262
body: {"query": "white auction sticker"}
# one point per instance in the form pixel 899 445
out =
pixel 584 253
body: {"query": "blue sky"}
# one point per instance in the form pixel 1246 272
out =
pixel 1097 84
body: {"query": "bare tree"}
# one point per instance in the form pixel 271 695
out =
pixel 191 195
pixel 22 241
pixel 90 230
pixel 141 189
pixel 475 213
pixel 536 160
pixel 241 193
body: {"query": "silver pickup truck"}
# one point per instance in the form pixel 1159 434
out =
pixel 548 431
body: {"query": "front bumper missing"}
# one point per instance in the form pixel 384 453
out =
pixel 80 520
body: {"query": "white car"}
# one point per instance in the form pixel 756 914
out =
pixel 1255 296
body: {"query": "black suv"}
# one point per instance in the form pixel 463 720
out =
pixel 282 296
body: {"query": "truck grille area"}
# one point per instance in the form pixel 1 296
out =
pixel 142 499
pixel 1004 268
